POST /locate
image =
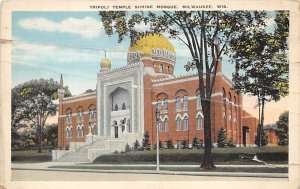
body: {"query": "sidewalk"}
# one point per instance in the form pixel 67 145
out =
pixel 84 167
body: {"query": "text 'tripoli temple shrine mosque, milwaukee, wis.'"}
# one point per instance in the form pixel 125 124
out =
pixel 124 106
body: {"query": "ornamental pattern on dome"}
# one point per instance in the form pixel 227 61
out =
pixel 153 46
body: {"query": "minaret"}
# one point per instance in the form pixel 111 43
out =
pixel 61 94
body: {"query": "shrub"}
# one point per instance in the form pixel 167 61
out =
pixel 160 145
pixel 197 143
pixel 185 144
pixel 136 145
pixel 127 148
pixel 221 140
pixel 230 143
pixel 145 143
pixel 170 144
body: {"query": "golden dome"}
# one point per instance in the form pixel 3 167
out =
pixel 105 63
pixel 151 41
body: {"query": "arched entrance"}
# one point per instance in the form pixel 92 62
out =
pixel 245 135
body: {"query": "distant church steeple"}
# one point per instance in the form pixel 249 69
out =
pixel 61 91
pixel 61 82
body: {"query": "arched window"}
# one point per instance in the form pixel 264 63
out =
pixel 78 131
pixel 90 128
pixel 82 130
pixel 90 115
pixel 168 69
pixel 178 101
pixel 123 106
pixel 199 122
pixel 158 104
pixel 161 68
pixel 166 104
pixel 178 124
pixel 185 123
pixel 185 102
pixel 166 123
pixel 116 107
pixel 159 126
pixel 94 114
pixel 198 102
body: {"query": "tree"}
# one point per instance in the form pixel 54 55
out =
pixel 222 138
pixel 145 142
pixel 283 128
pixel 50 134
pixel 205 33
pixel 89 91
pixel 127 148
pixel 261 139
pixel 32 103
pixel 261 63
pixel 136 145
pixel 197 143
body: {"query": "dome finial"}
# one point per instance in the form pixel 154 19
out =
pixel 105 64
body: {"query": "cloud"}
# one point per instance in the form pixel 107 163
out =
pixel 86 27
pixel 36 53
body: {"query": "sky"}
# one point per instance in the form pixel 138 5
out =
pixel 47 44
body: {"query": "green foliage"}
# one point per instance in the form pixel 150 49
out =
pixel 222 138
pixel 197 143
pixel 136 145
pixel 170 144
pixel 283 128
pixel 160 145
pixel 127 148
pixel 261 61
pixel 145 142
pixel 32 104
pixel 261 139
pixel 185 144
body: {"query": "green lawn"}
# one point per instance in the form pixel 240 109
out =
pixel 24 156
pixel 273 155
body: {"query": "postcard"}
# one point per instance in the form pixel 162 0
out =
pixel 160 93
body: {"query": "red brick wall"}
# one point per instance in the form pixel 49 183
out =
pixel 83 105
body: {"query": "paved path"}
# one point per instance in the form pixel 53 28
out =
pixel 42 175
pixel 78 168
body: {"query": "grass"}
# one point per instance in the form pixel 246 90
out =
pixel 273 155
pixel 30 156
pixel 183 169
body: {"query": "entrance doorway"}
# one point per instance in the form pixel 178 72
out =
pixel 116 132
pixel 245 135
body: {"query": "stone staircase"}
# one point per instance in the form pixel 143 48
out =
pixel 90 150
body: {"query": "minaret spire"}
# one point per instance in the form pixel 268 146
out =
pixel 61 82
pixel 104 54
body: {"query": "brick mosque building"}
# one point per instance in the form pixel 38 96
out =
pixel 124 105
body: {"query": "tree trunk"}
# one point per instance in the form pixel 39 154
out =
pixel 259 119
pixel 207 162
pixel 262 120
pixel 39 132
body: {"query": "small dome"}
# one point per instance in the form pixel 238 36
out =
pixel 105 63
